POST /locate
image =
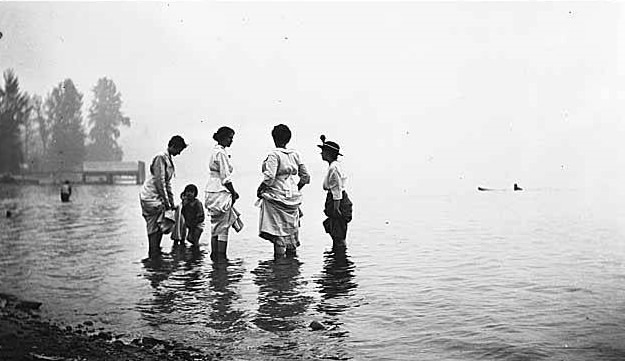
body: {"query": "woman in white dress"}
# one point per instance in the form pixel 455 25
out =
pixel 220 195
pixel 279 194
pixel 156 195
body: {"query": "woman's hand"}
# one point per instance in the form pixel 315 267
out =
pixel 260 190
pixel 230 189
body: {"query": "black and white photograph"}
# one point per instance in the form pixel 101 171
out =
pixel 312 180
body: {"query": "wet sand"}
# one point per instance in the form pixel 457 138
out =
pixel 24 335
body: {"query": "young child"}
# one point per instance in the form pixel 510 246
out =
pixel 192 215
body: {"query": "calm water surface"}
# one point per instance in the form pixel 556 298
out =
pixel 534 275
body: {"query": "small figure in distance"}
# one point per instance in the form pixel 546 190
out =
pixel 193 213
pixel 517 188
pixel 66 191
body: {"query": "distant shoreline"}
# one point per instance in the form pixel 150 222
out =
pixel 50 179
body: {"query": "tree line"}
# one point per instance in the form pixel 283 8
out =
pixel 50 135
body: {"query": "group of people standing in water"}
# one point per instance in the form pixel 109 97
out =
pixel 279 196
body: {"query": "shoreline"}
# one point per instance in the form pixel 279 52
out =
pixel 24 335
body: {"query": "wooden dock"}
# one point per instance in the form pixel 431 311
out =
pixel 112 172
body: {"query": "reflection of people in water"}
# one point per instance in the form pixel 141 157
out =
pixel 222 294
pixel 186 290
pixel 66 191
pixel 191 262
pixel 336 283
pixel 279 298
pixel 337 287
pixel 169 301
pixel 157 271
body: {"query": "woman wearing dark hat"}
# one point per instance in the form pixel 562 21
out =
pixel 220 194
pixel 156 195
pixel 338 207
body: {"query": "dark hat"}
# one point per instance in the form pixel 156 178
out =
pixel 329 145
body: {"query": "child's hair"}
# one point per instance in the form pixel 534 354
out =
pixel 192 188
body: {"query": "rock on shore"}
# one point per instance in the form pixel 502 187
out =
pixel 25 336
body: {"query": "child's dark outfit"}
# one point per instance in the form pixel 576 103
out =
pixel 189 222
pixel 193 214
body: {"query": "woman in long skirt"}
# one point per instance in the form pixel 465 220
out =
pixel 284 175
pixel 156 195
pixel 338 206
pixel 220 193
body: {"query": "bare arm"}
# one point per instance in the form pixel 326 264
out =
pixel 230 188
pixel 200 213
pixel 304 176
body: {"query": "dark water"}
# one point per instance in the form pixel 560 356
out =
pixel 537 275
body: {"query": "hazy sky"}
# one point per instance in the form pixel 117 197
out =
pixel 437 95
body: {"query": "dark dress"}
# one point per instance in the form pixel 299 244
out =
pixel 335 224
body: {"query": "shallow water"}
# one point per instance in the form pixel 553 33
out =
pixel 534 275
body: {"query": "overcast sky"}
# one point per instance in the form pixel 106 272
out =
pixel 422 95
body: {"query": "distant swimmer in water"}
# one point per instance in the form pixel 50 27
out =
pixel 66 191
pixel 517 188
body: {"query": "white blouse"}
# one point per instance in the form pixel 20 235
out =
pixel 157 186
pixel 335 180
pixel 279 171
pixel 220 169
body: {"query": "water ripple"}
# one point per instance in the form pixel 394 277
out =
pixel 502 277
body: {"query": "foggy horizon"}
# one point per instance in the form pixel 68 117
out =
pixel 424 96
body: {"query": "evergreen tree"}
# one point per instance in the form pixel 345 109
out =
pixel 43 123
pixel 66 150
pixel 14 110
pixel 105 118
pixel 36 134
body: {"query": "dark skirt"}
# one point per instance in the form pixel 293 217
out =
pixel 335 224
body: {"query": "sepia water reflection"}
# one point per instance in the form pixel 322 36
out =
pixel 280 295
pixel 223 279
pixel 188 293
pixel 337 288
pixel 498 276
